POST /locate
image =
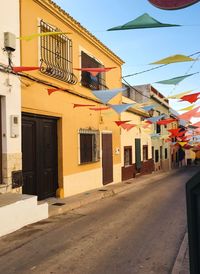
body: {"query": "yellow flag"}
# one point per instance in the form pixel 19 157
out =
pixel 182 143
pixel 187 108
pixel 31 36
pixel 173 59
pixel 179 95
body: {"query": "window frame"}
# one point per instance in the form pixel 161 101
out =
pixel 145 153
pixel 129 149
pixel 90 81
pixel 95 146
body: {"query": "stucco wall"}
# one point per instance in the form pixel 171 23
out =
pixel 10 92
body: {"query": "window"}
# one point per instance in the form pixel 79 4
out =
pixel 127 156
pixel 145 153
pixel 89 146
pixel 56 55
pixel 156 155
pixel 166 153
pixel 87 80
pixel 158 128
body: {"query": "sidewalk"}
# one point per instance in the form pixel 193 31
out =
pixel 181 265
pixel 59 206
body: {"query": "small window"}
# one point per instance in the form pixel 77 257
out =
pixel 166 155
pixel 145 153
pixel 127 156
pixel 156 155
pixel 87 79
pixel 89 146
pixel 158 128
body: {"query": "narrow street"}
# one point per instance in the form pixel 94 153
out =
pixel 137 231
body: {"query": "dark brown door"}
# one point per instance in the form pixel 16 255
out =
pixel 107 158
pixel 39 155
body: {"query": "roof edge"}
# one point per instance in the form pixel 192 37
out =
pixel 49 4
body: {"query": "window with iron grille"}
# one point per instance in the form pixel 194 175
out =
pixel 56 55
pixel 145 153
pixel 89 146
pixel 127 156
pixel 87 79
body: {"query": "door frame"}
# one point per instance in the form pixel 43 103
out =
pixel 50 117
pixel 106 132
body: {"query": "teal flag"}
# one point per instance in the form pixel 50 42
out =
pixel 142 22
pixel 176 80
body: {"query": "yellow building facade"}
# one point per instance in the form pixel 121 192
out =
pixel 136 144
pixel 65 137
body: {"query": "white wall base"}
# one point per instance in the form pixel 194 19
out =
pixel 88 180
pixel 18 210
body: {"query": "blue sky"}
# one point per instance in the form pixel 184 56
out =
pixel 138 48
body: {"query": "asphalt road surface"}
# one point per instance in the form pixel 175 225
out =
pixel 137 231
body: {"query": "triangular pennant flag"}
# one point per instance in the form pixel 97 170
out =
pixel 147 108
pixel 20 69
pixel 31 36
pixel 178 95
pixel 106 95
pixel 166 121
pixel 82 105
pixel 156 118
pixel 121 108
pixel 127 126
pixel 141 22
pixel 189 114
pixel 119 123
pixel 196 124
pixel 173 59
pixel 182 143
pixel 187 146
pixel 191 98
pixel 100 108
pixel 95 71
pixel 174 131
pixel 187 108
pixel 51 90
pixel 155 135
pixel 175 80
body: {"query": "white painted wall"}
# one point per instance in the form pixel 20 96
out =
pixel 11 96
pixel 15 212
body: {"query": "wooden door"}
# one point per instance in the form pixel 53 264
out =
pixel 107 158
pixel 39 155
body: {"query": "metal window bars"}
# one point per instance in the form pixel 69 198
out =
pixel 56 55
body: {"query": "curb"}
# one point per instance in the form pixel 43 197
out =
pixel 88 197
pixel 178 265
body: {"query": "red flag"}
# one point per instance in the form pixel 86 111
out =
pixel 127 126
pixel 190 97
pixel 99 109
pixel 82 105
pixel 119 123
pixel 174 131
pixel 20 69
pixel 166 121
pixel 95 71
pixel 51 90
pixel 189 114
